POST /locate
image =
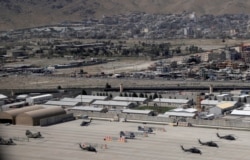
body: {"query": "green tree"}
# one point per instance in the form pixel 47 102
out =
pixel 107 85
pixel 110 96
pixel 150 97
pixel 141 95
pixel 134 94
pixel 84 92
pixel 155 96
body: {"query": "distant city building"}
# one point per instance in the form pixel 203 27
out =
pixel 245 52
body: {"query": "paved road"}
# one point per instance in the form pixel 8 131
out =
pixel 60 143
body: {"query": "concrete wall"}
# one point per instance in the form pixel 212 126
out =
pixel 221 123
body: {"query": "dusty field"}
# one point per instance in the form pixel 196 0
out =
pixel 123 65
pixel 60 143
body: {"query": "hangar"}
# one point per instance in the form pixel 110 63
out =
pixel 10 115
pixel 33 118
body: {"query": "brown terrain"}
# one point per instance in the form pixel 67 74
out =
pixel 63 77
pixel 16 14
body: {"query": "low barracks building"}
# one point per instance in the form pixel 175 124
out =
pixel 172 102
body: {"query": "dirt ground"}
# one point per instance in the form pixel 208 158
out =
pixel 62 76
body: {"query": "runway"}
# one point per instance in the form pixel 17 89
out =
pixel 60 142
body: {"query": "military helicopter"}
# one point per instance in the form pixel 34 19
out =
pixel 6 142
pixel 85 123
pixel 192 150
pixel 227 137
pixel 129 135
pixel 145 129
pixel 29 134
pixel 87 148
pixel 209 143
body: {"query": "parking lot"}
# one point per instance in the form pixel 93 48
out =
pixel 60 142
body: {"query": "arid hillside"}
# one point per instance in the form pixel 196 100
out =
pixel 15 14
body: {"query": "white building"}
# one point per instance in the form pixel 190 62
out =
pixel 39 99
pixel 131 99
pixel 243 112
pixel 113 104
pixel 222 107
pixel 208 103
pixel 83 101
pixel 2 99
pixel 241 98
pixel 92 97
pixel 63 104
pixel 223 97
pixel 180 112
pixel 87 109
pixel 172 102
pixel 236 112
pixel 141 112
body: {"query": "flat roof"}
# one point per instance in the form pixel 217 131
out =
pixel 87 108
pixel 47 105
pixel 188 110
pixel 209 102
pixel 61 103
pixel 136 111
pixel 41 96
pixel 240 112
pixel 133 99
pixel 13 104
pixel 179 114
pixel 92 97
pixel 226 104
pixel 83 100
pixel 247 108
pixel 167 100
pixel 22 96
pixel 241 96
pixel 3 97
pixel 112 103
pixel 222 95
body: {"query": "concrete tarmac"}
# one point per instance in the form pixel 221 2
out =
pixel 60 142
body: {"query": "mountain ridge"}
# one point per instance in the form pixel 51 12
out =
pixel 17 14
